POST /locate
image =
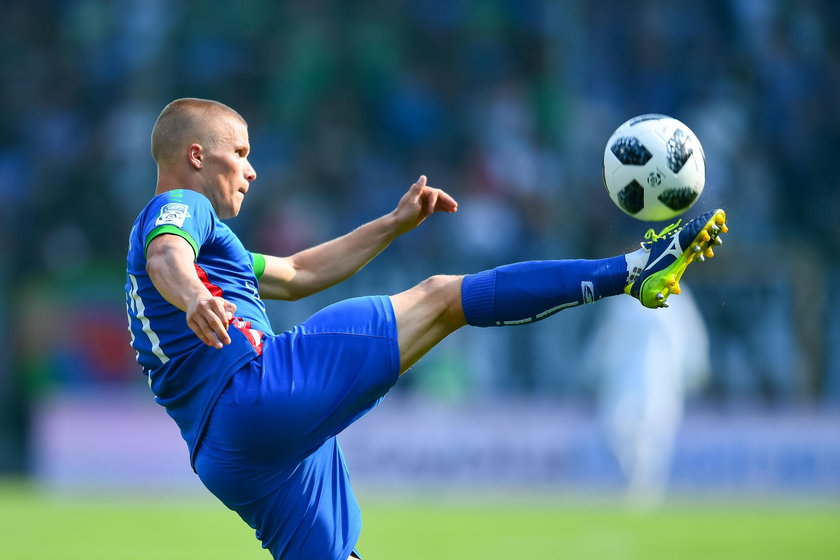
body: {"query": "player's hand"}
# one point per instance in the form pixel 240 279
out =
pixel 209 319
pixel 420 202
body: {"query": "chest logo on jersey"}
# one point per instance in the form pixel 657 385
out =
pixel 173 213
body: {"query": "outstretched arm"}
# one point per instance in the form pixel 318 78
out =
pixel 327 264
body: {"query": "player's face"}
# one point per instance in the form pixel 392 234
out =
pixel 226 167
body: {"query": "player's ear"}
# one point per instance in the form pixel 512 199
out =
pixel 195 155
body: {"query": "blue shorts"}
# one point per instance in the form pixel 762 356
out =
pixel 269 451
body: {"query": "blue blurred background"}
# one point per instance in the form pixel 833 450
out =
pixel 507 105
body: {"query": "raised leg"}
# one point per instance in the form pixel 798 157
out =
pixel 426 314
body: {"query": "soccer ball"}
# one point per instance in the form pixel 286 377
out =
pixel 654 167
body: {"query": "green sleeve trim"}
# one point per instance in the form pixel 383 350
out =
pixel 174 231
pixel 259 264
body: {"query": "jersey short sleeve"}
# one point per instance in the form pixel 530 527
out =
pixel 184 213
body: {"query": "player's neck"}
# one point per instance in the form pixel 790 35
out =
pixel 172 181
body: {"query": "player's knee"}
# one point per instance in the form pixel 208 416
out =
pixel 441 284
pixel 444 289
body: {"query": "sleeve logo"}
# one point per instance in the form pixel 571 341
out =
pixel 173 213
pixel 587 290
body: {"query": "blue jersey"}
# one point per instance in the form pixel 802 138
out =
pixel 185 374
pixel 268 450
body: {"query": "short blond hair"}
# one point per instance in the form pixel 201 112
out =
pixel 186 121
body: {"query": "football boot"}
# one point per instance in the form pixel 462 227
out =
pixel 671 251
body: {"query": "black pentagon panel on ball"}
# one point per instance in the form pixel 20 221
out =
pixel 679 150
pixel 678 199
pixel 630 151
pixel 632 197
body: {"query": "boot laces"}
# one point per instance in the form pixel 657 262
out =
pixel 667 231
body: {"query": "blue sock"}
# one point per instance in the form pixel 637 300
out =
pixel 529 291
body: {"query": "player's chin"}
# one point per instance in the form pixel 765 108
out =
pixel 232 210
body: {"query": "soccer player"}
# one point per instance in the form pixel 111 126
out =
pixel 643 381
pixel 260 412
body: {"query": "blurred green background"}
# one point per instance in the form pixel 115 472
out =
pixel 507 105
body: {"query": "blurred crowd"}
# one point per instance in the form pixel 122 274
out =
pixel 506 104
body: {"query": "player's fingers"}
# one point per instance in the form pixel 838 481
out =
pixel 214 321
pixel 210 338
pixel 445 202
pixel 223 335
pixel 230 310
pixel 431 200
pixel 219 325
pixel 205 333
pixel 419 185
pixel 215 334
